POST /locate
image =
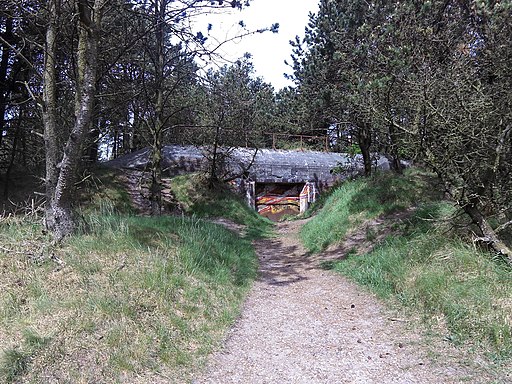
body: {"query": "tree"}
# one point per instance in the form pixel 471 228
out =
pixel 113 73
pixel 334 72
pixel 173 39
pixel 18 112
pixel 463 99
pixel 236 112
pixel 60 175
pixel 423 78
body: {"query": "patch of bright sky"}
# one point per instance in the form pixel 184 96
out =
pixel 268 50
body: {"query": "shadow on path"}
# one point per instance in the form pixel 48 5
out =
pixel 283 260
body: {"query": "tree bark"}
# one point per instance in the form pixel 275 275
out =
pixel 393 150
pixel 156 131
pixel 489 235
pixel 49 110
pixel 364 140
pixel 59 212
pixel 213 178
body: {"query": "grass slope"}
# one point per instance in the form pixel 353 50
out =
pixel 356 201
pixel 426 265
pixel 199 201
pixel 130 299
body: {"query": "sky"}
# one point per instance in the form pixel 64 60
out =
pixel 269 50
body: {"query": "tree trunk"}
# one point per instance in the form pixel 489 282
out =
pixel 489 235
pixel 134 128
pixel 393 150
pixel 364 139
pixel 213 179
pixel 156 175
pixel 156 131
pixel 49 108
pixel 59 212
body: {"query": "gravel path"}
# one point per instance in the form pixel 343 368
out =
pixel 302 324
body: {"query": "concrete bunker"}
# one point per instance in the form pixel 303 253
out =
pixel 274 182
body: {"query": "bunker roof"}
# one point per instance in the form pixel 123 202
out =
pixel 268 165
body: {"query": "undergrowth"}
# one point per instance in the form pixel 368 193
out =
pixel 128 299
pixel 426 263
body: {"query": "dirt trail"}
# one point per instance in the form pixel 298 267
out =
pixel 302 324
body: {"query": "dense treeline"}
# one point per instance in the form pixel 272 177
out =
pixel 427 80
pixel 89 79
pixel 422 80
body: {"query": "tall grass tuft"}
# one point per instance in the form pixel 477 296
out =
pixel 13 365
pixel 15 361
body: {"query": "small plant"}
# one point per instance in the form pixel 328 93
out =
pixel 13 365
pixel 15 361
pixel 33 342
pixel 371 233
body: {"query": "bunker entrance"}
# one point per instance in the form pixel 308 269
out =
pixel 275 200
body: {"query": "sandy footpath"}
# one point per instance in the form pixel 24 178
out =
pixel 303 324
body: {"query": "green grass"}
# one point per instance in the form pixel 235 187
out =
pixel 426 264
pixel 127 297
pixel 353 202
pixel 221 202
pixel 102 192
pixel 15 361
pixel 442 277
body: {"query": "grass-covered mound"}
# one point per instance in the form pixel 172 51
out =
pixel 128 299
pixel 444 277
pixel 427 262
pixel 197 200
pixel 356 201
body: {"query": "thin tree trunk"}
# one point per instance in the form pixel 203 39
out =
pixel 156 150
pixel 212 180
pixel 115 144
pixel 393 136
pixel 134 128
pixel 393 151
pixel 61 201
pixel 50 110
pixel 365 141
